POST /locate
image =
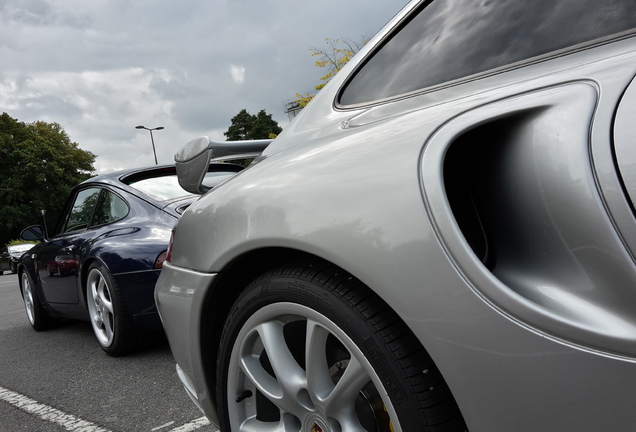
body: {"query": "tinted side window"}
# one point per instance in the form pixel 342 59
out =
pixel 82 209
pixel 110 208
pixel 451 39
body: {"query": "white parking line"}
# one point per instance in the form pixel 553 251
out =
pixel 162 426
pixel 10 282
pixel 193 425
pixel 45 412
pixel 75 424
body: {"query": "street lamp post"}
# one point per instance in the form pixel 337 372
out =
pixel 151 138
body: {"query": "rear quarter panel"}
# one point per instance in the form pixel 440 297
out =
pixel 349 190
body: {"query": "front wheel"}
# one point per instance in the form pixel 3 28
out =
pixel 112 324
pixel 312 349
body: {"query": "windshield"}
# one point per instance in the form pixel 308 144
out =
pixel 160 188
pixel 167 188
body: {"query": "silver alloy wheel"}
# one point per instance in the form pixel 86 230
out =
pixel 335 390
pixel 27 295
pixel 100 307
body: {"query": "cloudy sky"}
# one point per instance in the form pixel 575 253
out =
pixel 101 67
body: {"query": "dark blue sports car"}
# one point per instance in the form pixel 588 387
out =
pixel 103 258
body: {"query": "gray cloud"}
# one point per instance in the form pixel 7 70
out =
pixel 101 68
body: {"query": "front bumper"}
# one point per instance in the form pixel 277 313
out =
pixel 179 295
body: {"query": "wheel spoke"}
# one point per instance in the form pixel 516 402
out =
pixel 290 379
pixel 254 425
pixel 351 424
pixel 341 401
pixel 319 381
pixel 27 295
pixel 106 308
pixel 28 300
pixel 286 369
pixel 104 297
pixel 94 294
pixel 94 307
pixel 107 323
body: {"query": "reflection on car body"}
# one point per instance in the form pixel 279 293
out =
pixel 443 239
pixel 62 265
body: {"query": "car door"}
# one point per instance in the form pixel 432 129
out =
pixel 58 260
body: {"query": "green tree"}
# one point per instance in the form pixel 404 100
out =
pixel 39 165
pixel 246 126
pixel 333 57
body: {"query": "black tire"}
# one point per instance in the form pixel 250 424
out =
pixel 263 377
pixel 36 314
pixel 112 324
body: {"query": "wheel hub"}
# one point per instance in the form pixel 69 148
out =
pixel 99 319
pixel 316 424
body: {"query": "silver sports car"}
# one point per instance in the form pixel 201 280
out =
pixel 443 240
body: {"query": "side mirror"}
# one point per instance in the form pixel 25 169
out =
pixel 33 233
pixel 193 159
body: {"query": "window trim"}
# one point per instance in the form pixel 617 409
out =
pixel 64 228
pixel 103 190
pixel 67 211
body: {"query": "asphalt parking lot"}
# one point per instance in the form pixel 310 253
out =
pixel 61 380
